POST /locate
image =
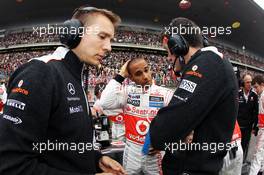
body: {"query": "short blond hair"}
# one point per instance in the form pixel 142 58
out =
pixel 84 15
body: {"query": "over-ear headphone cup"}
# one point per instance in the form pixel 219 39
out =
pixel 178 45
pixel 70 34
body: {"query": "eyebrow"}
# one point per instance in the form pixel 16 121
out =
pixel 137 72
pixel 105 33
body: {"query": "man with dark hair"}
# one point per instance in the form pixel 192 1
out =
pixel 46 127
pixel 258 158
pixel 205 102
pixel 247 111
pixel 138 105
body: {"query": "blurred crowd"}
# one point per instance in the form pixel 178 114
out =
pixel 11 61
pixel 242 58
pixel 26 38
pixel 138 38
pixel 145 38
pixel 158 63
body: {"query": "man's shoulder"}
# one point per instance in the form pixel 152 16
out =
pixel 204 65
pixel 241 92
pixel 212 50
pixel 254 94
pixel 34 68
pixel 58 54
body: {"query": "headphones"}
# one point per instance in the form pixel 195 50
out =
pixel 179 47
pixel 205 41
pixel 72 39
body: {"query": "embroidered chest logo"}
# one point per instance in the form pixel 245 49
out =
pixel 71 88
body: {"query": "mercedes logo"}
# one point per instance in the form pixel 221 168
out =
pixel 71 88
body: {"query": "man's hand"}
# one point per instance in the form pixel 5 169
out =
pixel 123 71
pixel 109 165
pixel 96 111
pixel 152 151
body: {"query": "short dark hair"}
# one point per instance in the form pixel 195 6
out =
pixel 84 15
pixel 193 35
pixel 133 60
pixel 257 79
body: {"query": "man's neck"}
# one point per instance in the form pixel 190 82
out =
pixel 191 52
pixel 246 91
pixel 78 53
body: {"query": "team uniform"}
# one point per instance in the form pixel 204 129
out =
pixel 47 104
pixel 206 103
pixel 247 116
pixel 139 106
pixel 233 160
pixel 258 159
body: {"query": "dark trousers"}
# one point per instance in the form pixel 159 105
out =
pixel 246 135
pixel 173 172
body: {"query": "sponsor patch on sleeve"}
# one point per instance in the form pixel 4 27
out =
pixel 188 85
pixel 16 104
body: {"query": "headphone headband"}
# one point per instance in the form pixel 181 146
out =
pixel 72 39
pixel 85 9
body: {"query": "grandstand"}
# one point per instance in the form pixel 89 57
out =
pixel 28 30
pixel 17 47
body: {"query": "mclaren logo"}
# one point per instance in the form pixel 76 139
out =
pixel 20 83
pixel 71 88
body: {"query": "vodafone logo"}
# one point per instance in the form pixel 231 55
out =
pixel 142 127
pixel 119 118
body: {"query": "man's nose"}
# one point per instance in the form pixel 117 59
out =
pixel 145 76
pixel 107 46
